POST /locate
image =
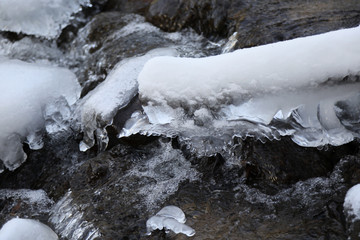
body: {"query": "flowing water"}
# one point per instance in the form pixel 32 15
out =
pixel 96 139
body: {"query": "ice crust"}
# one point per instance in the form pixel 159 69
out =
pixel 20 229
pixel 27 88
pixel 170 218
pixel 288 88
pixel 98 108
pixel 45 18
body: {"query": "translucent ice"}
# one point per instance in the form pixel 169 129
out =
pixel 20 229
pixel 44 18
pixel 169 218
pixel 99 107
pixel 26 90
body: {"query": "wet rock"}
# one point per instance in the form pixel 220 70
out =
pixel 285 162
pixel 128 6
pixel 257 22
pixel 108 38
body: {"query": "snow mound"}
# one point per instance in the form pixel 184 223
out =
pixel 169 218
pixel 352 202
pixel 97 109
pixel 44 18
pixel 27 89
pixel 306 88
pixel 20 229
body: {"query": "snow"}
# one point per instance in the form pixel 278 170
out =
pixel 21 229
pixel 352 202
pixel 289 64
pixel 99 107
pixel 44 18
pixel 169 218
pixel 26 90
pixel 304 88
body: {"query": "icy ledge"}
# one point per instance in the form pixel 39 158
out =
pixel 169 218
pixel 45 18
pixel 98 108
pixel 307 88
pixel 30 91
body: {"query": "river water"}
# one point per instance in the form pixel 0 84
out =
pixel 95 138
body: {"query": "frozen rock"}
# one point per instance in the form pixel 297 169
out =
pixel 99 106
pixel 26 90
pixel 21 229
pixel 45 18
pixel 169 218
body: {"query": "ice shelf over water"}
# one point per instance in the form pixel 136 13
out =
pixel 98 108
pixel 21 229
pixel 28 90
pixel 306 88
pixel 44 18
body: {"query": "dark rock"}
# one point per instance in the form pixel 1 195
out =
pixel 101 44
pixel 128 6
pixel 257 22
pixel 286 162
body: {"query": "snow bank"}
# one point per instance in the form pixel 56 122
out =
pixel 352 202
pixel 44 18
pixel 290 64
pixel 20 229
pixel 169 218
pixel 26 90
pixel 306 88
pixel 99 107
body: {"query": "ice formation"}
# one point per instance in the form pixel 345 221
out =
pixel 26 90
pixel 68 221
pixel 20 229
pixel 352 202
pixel 44 18
pixel 170 218
pixel 305 88
pixel 99 107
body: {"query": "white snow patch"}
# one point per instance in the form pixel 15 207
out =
pixel 21 229
pixel 290 64
pixel 352 202
pixel 169 218
pixel 44 18
pixel 26 89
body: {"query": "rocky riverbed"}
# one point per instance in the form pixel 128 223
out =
pixel 252 188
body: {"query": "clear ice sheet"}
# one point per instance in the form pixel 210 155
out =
pixel 45 18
